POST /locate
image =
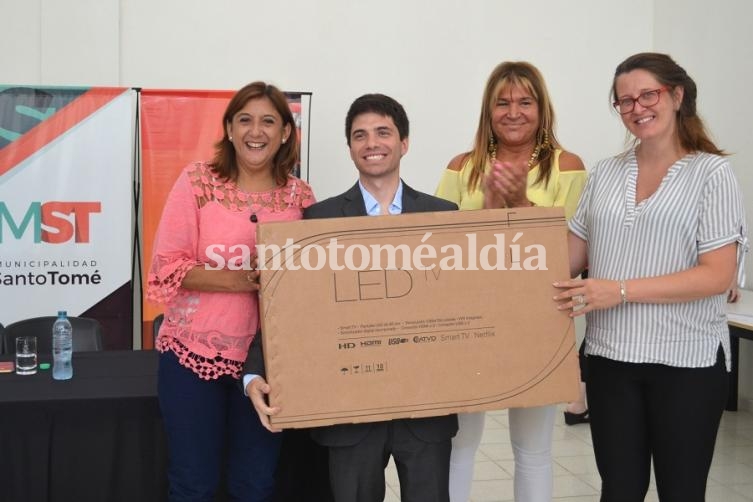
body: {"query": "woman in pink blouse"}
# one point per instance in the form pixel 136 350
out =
pixel 209 292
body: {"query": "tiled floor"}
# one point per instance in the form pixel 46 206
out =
pixel 575 476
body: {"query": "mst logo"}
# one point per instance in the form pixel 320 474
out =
pixel 54 222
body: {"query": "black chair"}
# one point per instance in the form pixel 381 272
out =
pixel 155 326
pixel 87 334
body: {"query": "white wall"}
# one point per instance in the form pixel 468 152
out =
pixel 432 55
pixel 714 43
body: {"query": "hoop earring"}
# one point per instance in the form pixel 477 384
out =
pixel 543 140
pixel 492 149
pixel 534 157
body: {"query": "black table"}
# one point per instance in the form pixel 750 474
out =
pixel 96 437
pixel 736 332
pixel 740 321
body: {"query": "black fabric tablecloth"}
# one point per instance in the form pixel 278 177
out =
pixel 96 437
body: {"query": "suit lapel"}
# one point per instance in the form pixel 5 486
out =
pixel 410 200
pixel 353 204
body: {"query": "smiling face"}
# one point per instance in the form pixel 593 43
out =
pixel 656 122
pixel 376 147
pixel 515 116
pixel 257 131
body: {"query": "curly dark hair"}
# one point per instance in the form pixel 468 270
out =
pixel 381 105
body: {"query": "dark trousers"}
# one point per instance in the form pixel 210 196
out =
pixel 303 469
pixel 211 427
pixel 357 472
pixel 640 411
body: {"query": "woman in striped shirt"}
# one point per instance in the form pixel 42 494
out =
pixel 662 229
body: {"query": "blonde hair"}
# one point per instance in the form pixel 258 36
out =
pixel 506 75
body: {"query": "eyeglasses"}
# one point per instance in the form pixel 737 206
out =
pixel 646 100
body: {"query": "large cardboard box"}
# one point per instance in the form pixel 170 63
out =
pixel 392 340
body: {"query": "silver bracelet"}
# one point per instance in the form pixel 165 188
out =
pixel 623 293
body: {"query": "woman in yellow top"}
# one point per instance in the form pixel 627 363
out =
pixel 516 161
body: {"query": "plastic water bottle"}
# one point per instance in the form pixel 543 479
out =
pixel 62 347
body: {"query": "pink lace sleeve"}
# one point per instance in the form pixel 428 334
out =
pixel 176 242
pixel 307 195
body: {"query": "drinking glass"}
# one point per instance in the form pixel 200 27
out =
pixel 26 355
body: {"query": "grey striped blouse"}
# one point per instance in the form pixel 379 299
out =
pixel 697 208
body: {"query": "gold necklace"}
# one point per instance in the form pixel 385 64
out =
pixel 529 164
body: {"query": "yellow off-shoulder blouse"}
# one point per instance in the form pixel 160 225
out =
pixel 563 189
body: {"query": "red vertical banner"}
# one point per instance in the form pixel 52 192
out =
pixel 177 128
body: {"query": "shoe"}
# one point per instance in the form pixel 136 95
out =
pixel 577 418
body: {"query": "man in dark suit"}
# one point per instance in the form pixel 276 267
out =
pixel 376 128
